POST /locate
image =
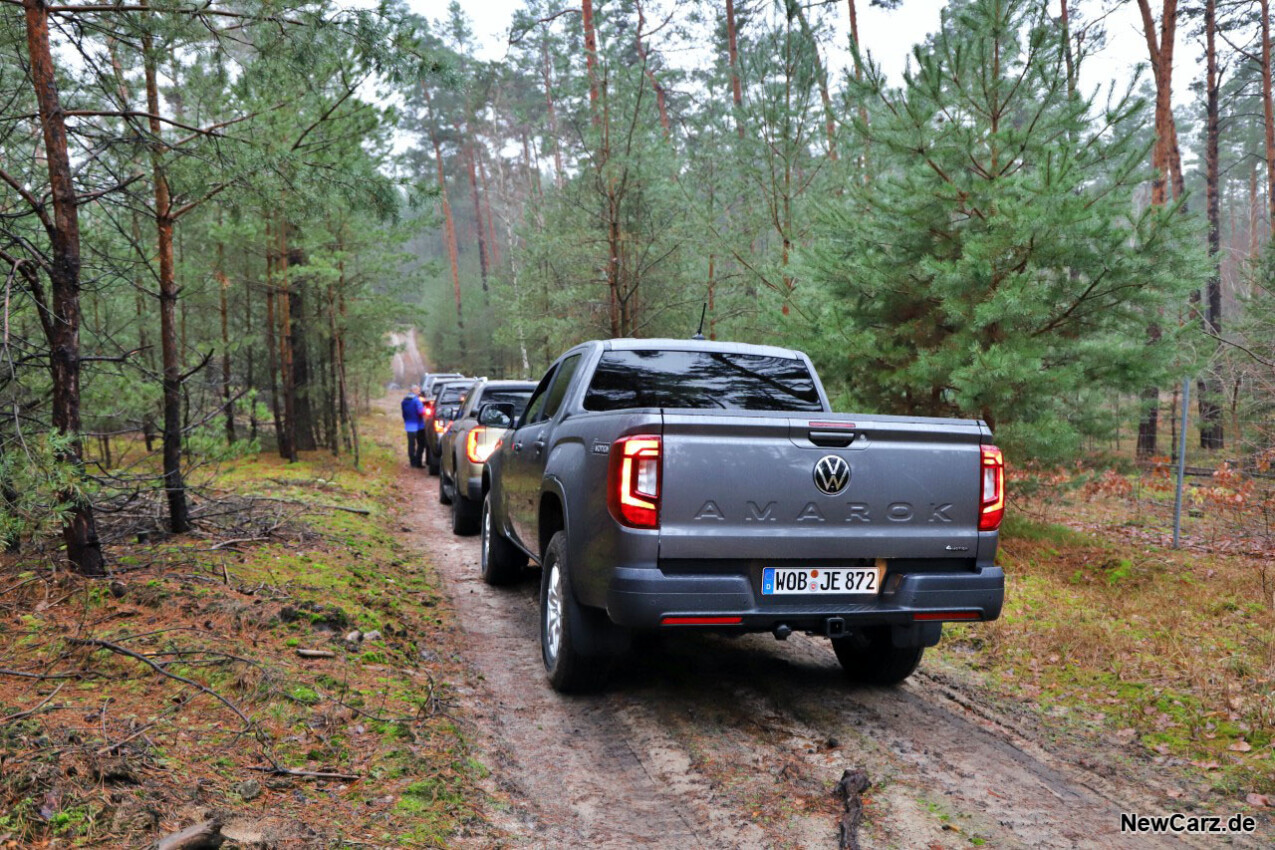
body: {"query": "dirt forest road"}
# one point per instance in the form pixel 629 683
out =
pixel 704 741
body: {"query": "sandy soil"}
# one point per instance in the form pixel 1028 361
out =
pixel 715 742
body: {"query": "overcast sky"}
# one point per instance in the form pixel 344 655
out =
pixel 890 36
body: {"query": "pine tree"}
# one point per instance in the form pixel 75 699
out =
pixel 993 268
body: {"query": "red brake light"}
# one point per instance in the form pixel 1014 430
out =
pixel 429 408
pixel 992 499
pixel 475 452
pixel 633 483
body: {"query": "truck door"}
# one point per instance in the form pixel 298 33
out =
pixel 530 451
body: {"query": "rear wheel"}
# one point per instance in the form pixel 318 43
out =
pixel 872 658
pixel 574 640
pixel 501 561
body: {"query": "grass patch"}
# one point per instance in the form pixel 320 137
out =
pixel 1114 636
pixel 232 619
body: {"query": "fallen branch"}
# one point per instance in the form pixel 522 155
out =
pixel 315 653
pixel 226 543
pixel 850 790
pixel 116 648
pixel 21 674
pixel 197 837
pixel 30 711
pixel 311 774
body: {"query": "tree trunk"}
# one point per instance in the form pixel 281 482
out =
pixel 732 48
pixel 1167 165
pixel 830 123
pixel 304 422
pixel 546 68
pixel 479 229
pixel 1211 436
pixel 223 285
pixel 1065 36
pixel 148 357
pixel 712 293
pixel 590 55
pixel 614 249
pixel 174 486
pixel 335 423
pixel 1268 111
pixel 272 349
pixel 61 317
pixel 288 445
pixel 492 241
pixel 661 101
pixel 249 364
pixel 449 226
pixel 340 353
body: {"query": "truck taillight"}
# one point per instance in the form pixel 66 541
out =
pixel 474 448
pixel 992 499
pixel 440 426
pixel 633 483
pixel 429 409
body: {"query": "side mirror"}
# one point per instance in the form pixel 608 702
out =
pixel 496 415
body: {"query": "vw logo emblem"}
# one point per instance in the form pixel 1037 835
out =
pixel 832 474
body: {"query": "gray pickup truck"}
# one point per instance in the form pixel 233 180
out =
pixel 670 484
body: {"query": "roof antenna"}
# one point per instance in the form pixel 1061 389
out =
pixel 699 334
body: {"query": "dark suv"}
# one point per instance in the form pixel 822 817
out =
pixel 448 397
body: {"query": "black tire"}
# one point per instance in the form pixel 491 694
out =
pixel 500 560
pixel 465 513
pixel 872 658
pixel 573 641
pixel 444 495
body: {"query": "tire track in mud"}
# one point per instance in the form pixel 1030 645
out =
pixel 570 761
pixel 621 769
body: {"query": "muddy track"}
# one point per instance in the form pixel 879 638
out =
pixel 694 730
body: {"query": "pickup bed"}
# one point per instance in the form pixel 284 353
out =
pixel 672 484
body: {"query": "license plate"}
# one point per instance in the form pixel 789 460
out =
pixel 820 580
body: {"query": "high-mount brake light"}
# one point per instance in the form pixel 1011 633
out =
pixel 633 481
pixel 476 452
pixel 992 495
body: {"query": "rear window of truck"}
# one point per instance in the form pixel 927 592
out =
pixel 699 380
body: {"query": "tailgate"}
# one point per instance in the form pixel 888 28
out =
pixel 745 486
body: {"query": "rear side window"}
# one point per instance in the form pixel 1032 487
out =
pixel 452 395
pixel 698 380
pixel 558 391
pixel 518 398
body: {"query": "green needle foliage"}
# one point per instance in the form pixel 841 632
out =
pixel 1002 260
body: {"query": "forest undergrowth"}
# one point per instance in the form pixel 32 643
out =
pixel 294 687
pixel 1111 635
pixel 291 676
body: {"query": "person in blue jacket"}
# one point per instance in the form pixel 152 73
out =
pixel 414 425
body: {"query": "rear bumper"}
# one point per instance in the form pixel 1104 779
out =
pixel 644 598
